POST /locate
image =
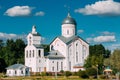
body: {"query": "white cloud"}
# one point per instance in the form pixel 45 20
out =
pixel 113 46
pixel 7 36
pixel 41 13
pixel 89 40
pixel 80 31
pixel 103 8
pixel 105 39
pixel 107 33
pixel 18 11
pixel 101 39
pixel 116 45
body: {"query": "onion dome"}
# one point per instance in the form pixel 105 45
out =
pixel 69 20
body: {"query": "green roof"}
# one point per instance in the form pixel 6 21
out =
pixel 38 45
pixel 69 39
pixel 54 54
pixel 16 66
pixel 37 34
pixel 78 65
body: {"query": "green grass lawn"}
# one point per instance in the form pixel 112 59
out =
pixel 45 78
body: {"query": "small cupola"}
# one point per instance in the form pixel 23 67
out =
pixel 34 30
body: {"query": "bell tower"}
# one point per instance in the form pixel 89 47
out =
pixel 34 38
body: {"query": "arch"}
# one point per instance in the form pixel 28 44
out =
pixel 39 53
pixel 30 54
pixel 33 53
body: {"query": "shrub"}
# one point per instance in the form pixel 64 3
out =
pixel 91 71
pixel 83 74
pixel 67 73
pixel 74 73
pixel 43 74
pixel 61 73
pixel 102 76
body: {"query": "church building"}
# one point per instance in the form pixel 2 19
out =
pixel 67 51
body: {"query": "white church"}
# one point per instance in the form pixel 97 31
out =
pixel 67 51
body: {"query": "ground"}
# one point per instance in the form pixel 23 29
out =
pixel 45 78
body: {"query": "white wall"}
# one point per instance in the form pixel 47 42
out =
pixel 68 30
pixel 57 64
pixel 18 72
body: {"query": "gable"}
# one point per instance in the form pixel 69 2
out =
pixel 57 40
pixel 69 40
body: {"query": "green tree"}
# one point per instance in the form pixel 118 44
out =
pixel 96 57
pixel 9 52
pixel 46 47
pixel 115 59
pixel 13 51
pixel 1 44
pixel 91 71
pixel 2 65
pixel 97 50
pixel 107 53
pixel 19 50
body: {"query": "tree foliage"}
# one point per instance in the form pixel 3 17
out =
pixel 96 58
pixel 13 51
pixel 2 65
pixel 91 71
pixel 46 47
pixel 115 60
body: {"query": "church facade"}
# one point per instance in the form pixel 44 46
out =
pixel 67 51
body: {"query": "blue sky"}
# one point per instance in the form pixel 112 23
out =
pixel 98 21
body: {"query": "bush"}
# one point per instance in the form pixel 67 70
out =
pixel 61 73
pixel 48 74
pixel 43 74
pixel 74 73
pixel 83 74
pixel 67 73
pixel 102 76
pixel 91 71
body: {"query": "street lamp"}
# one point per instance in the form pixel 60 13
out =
pixel 97 72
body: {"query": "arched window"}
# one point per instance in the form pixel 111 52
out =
pixel 21 71
pixel 67 31
pixel 15 72
pixel 70 65
pixel 39 53
pixel 33 53
pixel 53 69
pixel 52 48
pixel 26 53
pixel 57 66
pixel 76 44
pixel 52 61
pixel 76 56
pixel 30 54
pixel 61 65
